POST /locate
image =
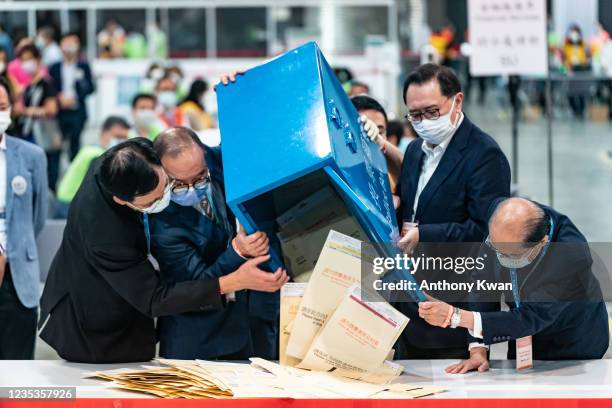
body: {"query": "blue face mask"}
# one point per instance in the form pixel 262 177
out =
pixel 192 196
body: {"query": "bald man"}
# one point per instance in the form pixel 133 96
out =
pixel 550 288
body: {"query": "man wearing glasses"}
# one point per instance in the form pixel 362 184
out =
pixel 196 238
pixel 555 301
pixel 103 290
pixel 449 177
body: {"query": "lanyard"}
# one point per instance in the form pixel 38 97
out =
pixel 145 221
pixel 513 274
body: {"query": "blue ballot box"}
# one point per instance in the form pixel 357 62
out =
pixel 296 160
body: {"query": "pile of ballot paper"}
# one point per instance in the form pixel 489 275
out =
pixel 333 344
pixel 260 379
pixel 303 229
pixel 331 328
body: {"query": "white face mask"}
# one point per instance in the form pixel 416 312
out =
pixel 5 120
pixel 29 66
pixel 574 36
pixel 114 141
pixel 436 131
pixel 167 99
pixel 159 205
pixel 143 118
pixel 2 66
pixel 512 262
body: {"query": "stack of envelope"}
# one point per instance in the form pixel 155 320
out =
pixel 260 379
pixel 334 329
pixel 334 343
pixel 178 379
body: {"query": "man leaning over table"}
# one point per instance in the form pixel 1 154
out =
pixel 555 298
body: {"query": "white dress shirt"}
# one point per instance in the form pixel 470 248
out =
pixel 433 156
pixel 69 78
pixel 3 188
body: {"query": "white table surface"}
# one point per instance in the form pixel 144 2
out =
pixel 549 379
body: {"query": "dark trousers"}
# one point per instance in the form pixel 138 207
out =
pixel 71 124
pixel 17 323
pixel 53 164
pixel 264 335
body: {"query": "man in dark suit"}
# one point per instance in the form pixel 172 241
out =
pixel 555 298
pixel 195 239
pixel 103 291
pixel 73 81
pixel 450 176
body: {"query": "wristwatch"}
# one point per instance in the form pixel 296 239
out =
pixel 456 318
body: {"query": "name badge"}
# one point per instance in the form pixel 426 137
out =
pixel 19 185
pixel 524 353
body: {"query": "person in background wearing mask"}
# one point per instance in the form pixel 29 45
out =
pixel 193 107
pixel 20 78
pixel 175 73
pixel 167 100
pixel 556 299
pixel 23 211
pixel 103 290
pixel 450 176
pixel 144 116
pixel 154 73
pixel 36 110
pixel 195 238
pixel 72 79
pixel 50 50
pixel 576 58
pixel 115 130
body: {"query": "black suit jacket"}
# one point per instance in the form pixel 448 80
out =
pixel 561 301
pixel 452 207
pixel 84 85
pixel 102 292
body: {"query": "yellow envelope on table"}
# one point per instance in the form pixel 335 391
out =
pixel 357 339
pixel 290 297
pixel 338 267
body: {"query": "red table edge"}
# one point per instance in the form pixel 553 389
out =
pixel 319 403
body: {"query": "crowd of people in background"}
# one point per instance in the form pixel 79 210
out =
pixel 571 55
pixel 51 82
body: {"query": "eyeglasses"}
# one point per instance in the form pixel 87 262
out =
pixel 431 113
pixel 417 117
pixel 199 183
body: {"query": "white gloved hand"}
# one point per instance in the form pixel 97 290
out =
pixel 372 130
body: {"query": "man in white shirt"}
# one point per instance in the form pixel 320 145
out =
pixel 50 50
pixel 450 175
pixel 73 80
